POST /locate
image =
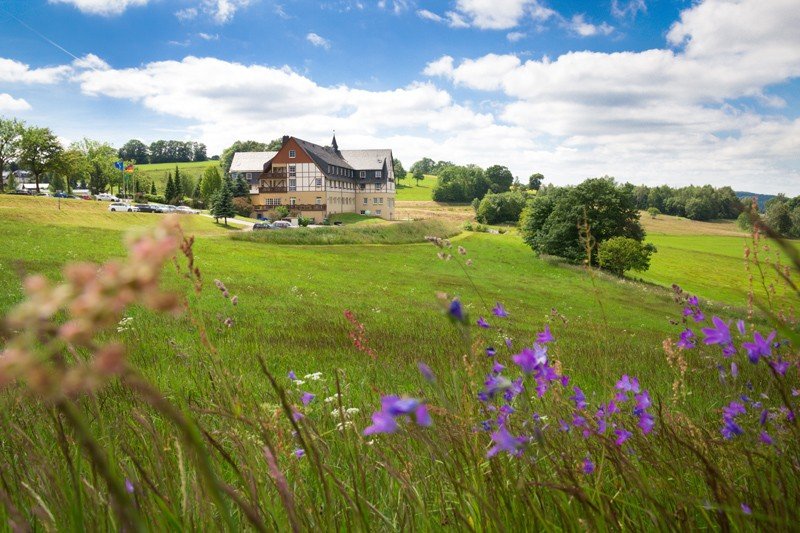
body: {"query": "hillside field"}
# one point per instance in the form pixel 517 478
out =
pixel 290 313
pixel 410 190
pixel 158 172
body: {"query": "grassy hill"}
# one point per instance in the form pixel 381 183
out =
pixel 410 190
pixel 290 314
pixel 158 172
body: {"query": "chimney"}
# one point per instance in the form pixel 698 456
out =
pixel 284 140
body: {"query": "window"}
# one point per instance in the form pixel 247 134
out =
pixel 292 171
pixel 319 182
pixel 362 174
pixel 273 201
pixel 380 200
pixel 366 201
pixel 378 212
pixel 363 212
pixel 378 186
pixel 377 173
pixel 375 201
pixel 293 184
pixel 319 200
pixel 292 154
pixel 292 201
pixel 362 186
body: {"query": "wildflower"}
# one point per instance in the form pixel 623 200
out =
pixel 235 300
pixel 564 426
pixel 307 398
pixel 643 401
pixel 462 250
pixel 426 372
pixel 622 435
pixel 627 384
pixel 497 367
pixel 316 376
pixel 780 367
pixel 693 301
pixel 513 391
pixel 588 466
pixel 765 438
pixel 482 323
pixel 685 341
pixel 719 334
pixel 646 423
pixel 760 347
pixel 499 310
pixel 494 384
pixel 490 352
pixel 292 375
pixel 734 369
pixel 297 416
pixel 762 419
pixel 456 311
pixel 579 398
pixel 129 486
pixel 746 509
pixel 422 416
pixel 505 442
pixel 508 343
pixel 528 359
pixel 543 337
pixel 381 423
pixel 740 326
pixel 299 452
pixel 469 262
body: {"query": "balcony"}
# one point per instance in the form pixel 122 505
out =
pixel 272 189
pixel 274 175
pixel 294 208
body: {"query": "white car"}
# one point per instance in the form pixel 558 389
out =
pixel 119 206
pixel 281 224
pixel 184 210
pixel 105 197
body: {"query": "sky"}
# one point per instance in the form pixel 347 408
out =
pixel 648 91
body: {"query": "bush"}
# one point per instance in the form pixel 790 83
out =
pixel 653 212
pixel 243 206
pixel 155 198
pixel 503 207
pixel 744 222
pixel 620 254
pixel 304 221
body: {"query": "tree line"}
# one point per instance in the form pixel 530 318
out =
pixel 693 202
pixel 781 213
pixel 163 152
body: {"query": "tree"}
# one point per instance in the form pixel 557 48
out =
pixel 178 185
pixel 424 165
pixel 653 212
pixel 502 207
pixel 620 254
pixel 241 188
pixel 99 159
pixel 399 171
pixel 460 184
pixel 10 143
pixel 134 150
pixel 40 150
pixel 210 183
pixel 153 188
pixel 72 167
pixel 222 206
pixel 535 181
pixel 499 177
pixel 199 152
pixel 275 144
pixel 778 217
pixel 240 146
pixel 555 219
pixel 169 190
pixel 418 176
pixel 243 206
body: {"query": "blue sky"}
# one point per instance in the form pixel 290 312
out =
pixel 650 91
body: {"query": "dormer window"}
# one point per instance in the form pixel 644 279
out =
pixel 362 174
pixel 377 173
pixel 292 154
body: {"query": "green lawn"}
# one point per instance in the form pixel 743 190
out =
pixel 158 172
pixel 289 312
pixel 409 189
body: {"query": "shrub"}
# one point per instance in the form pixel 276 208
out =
pixel 620 254
pixel 503 207
pixel 155 198
pixel 304 221
pixel 653 212
pixel 744 221
pixel 243 206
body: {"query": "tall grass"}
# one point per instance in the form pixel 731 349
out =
pixel 397 233
pixel 112 452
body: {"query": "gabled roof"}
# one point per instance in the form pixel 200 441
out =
pixel 251 161
pixel 323 155
pixel 367 159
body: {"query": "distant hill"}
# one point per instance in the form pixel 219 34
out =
pixel 761 198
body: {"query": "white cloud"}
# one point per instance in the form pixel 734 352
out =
pixel 451 18
pixel 493 14
pixel 208 36
pixel 223 10
pixel 579 25
pixel 12 71
pixel 9 104
pixel 441 67
pixel 102 7
pixel 318 41
pixel 515 36
pixel 629 8
pixel 396 6
pixel 429 15
pixel 90 61
pixel 187 14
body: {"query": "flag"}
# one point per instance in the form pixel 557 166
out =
pixel 118 165
pixel 129 169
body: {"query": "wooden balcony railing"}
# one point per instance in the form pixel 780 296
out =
pixel 294 208
pixel 272 189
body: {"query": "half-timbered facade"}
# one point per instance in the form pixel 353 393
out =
pixel 315 181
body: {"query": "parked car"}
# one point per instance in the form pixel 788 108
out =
pixel 105 197
pixel 281 224
pixel 119 206
pixel 184 210
pixel 146 208
pixel 61 194
pixel 21 191
pixel 262 225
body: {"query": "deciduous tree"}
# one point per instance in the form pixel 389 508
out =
pixel 10 143
pixel 40 150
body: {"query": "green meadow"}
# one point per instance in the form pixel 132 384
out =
pixel 410 189
pixel 289 315
pixel 157 172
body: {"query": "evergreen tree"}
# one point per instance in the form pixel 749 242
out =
pixel 153 188
pixel 242 188
pixel 222 206
pixel 178 187
pixel 169 191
